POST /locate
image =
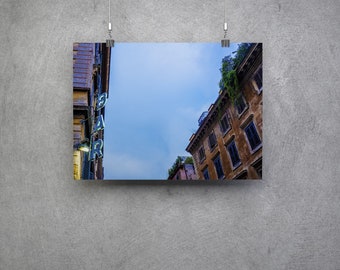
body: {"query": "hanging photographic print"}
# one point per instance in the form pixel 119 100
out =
pixel 167 111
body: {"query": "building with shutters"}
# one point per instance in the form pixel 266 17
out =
pixel 228 141
pixel 91 71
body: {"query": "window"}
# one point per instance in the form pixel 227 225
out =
pixel 253 136
pixel 224 124
pixel 206 174
pixel 258 80
pixel 258 167
pixel 218 167
pixel 212 140
pixel 241 176
pixel 201 154
pixel 241 105
pixel 259 171
pixel 233 153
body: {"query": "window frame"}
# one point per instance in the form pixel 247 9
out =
pixel 201 159
pixel 218 156
pixel 258 146
pixel 212 147
pixel 225 116
pixel 257 165
pixel 246 106
pixel 239 162
pixel 205 170
pixel 242 173
pixel 254 82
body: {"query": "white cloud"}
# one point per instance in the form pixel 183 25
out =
pixel 157 93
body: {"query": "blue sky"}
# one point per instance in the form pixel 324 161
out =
pixel 157 92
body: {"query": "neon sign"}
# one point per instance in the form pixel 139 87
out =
pixel 96 149
pixel 101 101
pixel 97 146
pixel 99 124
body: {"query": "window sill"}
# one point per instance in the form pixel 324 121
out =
pixel 257 148
pixel 257 91
pixel 237 166
pixel 213 148
pixel 226 132
pixel 243 112
pixel 202 160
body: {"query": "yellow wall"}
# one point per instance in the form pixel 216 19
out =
pixel 76 165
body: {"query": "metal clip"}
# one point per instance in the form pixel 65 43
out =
pixel 110 42
pixel 225 42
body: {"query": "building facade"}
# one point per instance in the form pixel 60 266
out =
pixel 183 169
pixel 228 142
pixel 91 71
pixel 184 172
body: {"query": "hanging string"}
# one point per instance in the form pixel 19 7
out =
pixel 225 19
pixel 110 28
pixel 225 42
pixel 110 41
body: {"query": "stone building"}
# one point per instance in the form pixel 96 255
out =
pixel 228 142
pixel 182 170
pixel 91 70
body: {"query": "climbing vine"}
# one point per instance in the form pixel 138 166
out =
pixel 231 85
pixel 229 81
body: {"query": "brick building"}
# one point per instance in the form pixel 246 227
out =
pixel 91 71
pixel 228 142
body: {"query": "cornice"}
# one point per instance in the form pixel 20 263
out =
pixel 243 75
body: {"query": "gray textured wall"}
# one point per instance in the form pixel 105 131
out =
pixel 289 220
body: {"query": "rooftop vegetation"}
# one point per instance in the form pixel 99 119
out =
pixel 178 162
pixel 229 81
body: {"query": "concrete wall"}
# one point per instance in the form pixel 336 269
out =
pixel 288 220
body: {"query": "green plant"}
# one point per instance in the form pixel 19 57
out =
pixel 229 80
pixel 241 52
pixel 231 85
pixel 174 166
pixel 178 162
pixel 189 160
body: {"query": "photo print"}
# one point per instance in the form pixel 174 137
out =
pixel 167 111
